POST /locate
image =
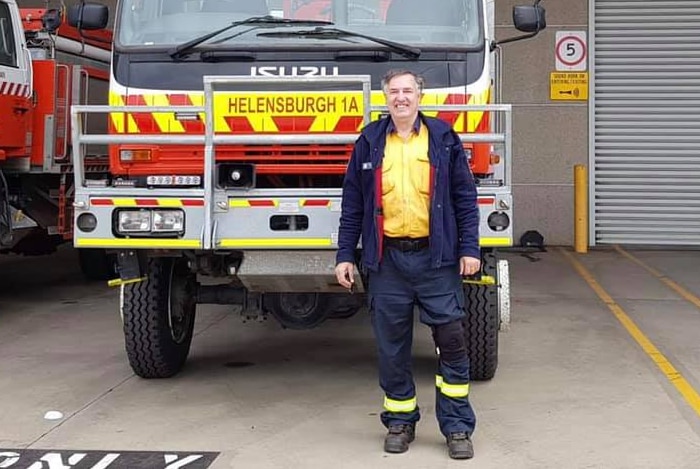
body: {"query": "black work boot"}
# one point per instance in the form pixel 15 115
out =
pixel 399 437
pixel 459 446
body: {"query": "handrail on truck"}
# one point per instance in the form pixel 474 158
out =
pixel 209 139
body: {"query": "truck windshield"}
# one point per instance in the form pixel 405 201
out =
pixel 8 56
pixel 164 23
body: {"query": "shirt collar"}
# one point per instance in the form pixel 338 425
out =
pixel 391 128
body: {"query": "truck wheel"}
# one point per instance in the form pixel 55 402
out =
pixel 96 264
pixel 482 323
pixel 297 310
pixel 343 306
pixel 158 316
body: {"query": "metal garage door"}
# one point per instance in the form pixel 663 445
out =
pixel 646 122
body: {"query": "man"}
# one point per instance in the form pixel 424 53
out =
pixel 409 193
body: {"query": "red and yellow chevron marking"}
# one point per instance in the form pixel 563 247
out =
pixel 134 202
pixel 323 203
pixel 273 203
pixel 286 112
pixel 252 203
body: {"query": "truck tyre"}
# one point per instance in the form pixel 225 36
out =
pixel 344 306
pixel 158 315
pixel 481 323
pixel 96 264
pixel 297 310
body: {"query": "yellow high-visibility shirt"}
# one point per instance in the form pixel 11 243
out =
pixel 406 184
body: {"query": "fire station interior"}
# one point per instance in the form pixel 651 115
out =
pixel 598 362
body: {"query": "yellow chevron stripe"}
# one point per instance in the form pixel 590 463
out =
pixel 263 121
pixel 238 203
pixel 166 122
pixel 170 202
pixel 494 242
pixel 124 202
pixel 274 242
pixel 136 243
pixel 118 118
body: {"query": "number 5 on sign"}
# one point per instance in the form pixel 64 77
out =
pixel 571 51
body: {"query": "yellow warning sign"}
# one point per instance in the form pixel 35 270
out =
pixel 568 86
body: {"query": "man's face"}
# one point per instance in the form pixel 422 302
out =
pixel 402 97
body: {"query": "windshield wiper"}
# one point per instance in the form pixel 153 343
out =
pixel 182 49
pixel 335 33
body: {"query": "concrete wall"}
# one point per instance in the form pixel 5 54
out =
pixel 550 136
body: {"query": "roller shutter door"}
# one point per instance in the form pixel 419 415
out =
pixel 646 119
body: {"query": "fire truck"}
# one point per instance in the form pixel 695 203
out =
pixel 45 67
pixel 231 123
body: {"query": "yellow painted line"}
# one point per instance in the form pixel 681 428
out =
pixel 494 242
pixel 687 295
pixel 275 243
pixel 137 243
pixel 687 391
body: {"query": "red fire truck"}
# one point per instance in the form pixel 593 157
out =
pixel 231 124
pixel 46 66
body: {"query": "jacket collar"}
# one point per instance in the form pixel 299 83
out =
pixel 391 128
pixel 375 131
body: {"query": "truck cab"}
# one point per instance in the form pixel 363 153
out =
pixel 15 84
pixel 15 107
pixel 46 66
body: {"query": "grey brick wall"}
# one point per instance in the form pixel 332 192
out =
pixel 550 136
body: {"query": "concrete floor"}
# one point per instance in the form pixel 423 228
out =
pixel 573 390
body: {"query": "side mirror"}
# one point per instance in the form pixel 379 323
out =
pixel 88 16
pixel 529 19
pixel 51 20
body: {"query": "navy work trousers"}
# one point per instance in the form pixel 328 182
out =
pixel 405 280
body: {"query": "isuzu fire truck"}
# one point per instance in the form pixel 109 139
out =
pixel 45 67
pixel 231 125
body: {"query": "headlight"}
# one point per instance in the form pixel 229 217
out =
pixel 134 221
pixel 168 221
pixel 151 221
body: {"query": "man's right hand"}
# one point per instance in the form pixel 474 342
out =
pixel 345 274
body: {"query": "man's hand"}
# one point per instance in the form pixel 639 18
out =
pixel 467 265
pixel 345 273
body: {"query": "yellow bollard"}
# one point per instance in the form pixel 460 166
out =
pixel 580 209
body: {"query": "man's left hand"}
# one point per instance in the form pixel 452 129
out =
pixel 469 265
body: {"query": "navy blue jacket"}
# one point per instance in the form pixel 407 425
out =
pixel 454 214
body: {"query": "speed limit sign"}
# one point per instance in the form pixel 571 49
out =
pixel 571 50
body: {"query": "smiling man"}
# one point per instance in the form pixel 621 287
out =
pixel 409 194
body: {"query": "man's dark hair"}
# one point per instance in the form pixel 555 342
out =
pixel 391 74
